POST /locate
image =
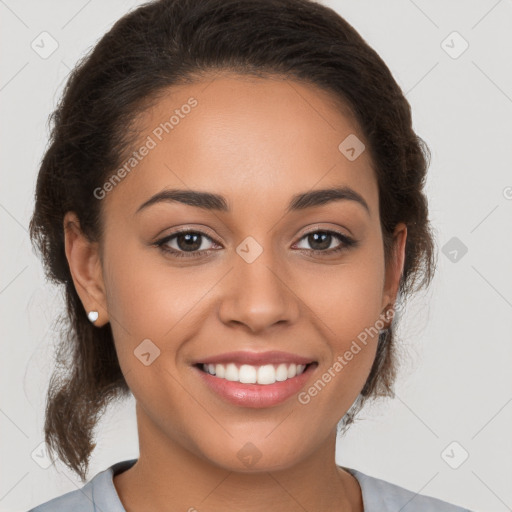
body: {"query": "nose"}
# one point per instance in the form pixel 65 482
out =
pixel 258 294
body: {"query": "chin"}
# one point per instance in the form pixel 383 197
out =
pixel 256 456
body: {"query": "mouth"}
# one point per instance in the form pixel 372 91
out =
pixel 261 384
pixel 263 375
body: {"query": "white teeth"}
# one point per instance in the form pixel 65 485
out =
pixel 282 372
pixel 231 372
pixel 220 371
pixel 267 374
pixel 292 370
pixel 249 374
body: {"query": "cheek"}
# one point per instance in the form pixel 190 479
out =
pixel 146 297
pixel 348 298
pixel 147 301
pixel 347 307
pixel 347 303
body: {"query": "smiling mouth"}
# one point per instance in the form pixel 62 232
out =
pixel 255 374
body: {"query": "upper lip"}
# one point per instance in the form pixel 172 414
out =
pixel 256 358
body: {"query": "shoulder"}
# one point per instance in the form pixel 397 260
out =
pixel 80 500
pixel 382 496
pixel 97 494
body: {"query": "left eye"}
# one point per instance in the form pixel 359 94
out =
pixel 324 240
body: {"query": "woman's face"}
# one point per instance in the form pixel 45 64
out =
pixel 259 272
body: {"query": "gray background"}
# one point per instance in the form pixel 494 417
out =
pixel 455 383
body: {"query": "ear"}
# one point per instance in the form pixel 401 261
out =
pixel 394 267
pixel 85 266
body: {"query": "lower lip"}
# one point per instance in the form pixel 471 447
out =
pixel 257 395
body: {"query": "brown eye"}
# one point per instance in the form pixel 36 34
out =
pixel 189 241
pixel 186 241
pixel 321 241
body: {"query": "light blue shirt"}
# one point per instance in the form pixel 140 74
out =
pixel 100 495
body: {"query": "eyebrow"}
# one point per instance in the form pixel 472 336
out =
pixel 210 201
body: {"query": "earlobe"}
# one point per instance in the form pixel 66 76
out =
pixel 395 267
pixel 85 267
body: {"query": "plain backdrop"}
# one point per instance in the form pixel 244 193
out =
pixel 447 433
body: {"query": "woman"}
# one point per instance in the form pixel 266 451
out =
pixel 233 199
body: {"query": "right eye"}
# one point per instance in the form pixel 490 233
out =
pixel 187 243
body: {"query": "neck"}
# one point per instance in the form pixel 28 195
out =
pixel 177 479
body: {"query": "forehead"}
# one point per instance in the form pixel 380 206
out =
pixel 250 139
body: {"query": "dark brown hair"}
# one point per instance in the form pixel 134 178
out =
pixel 168 42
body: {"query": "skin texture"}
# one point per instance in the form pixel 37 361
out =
pixel 258 142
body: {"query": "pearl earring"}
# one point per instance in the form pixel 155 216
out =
pixel 93 316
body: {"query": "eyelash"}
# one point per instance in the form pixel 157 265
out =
pixel 347 243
